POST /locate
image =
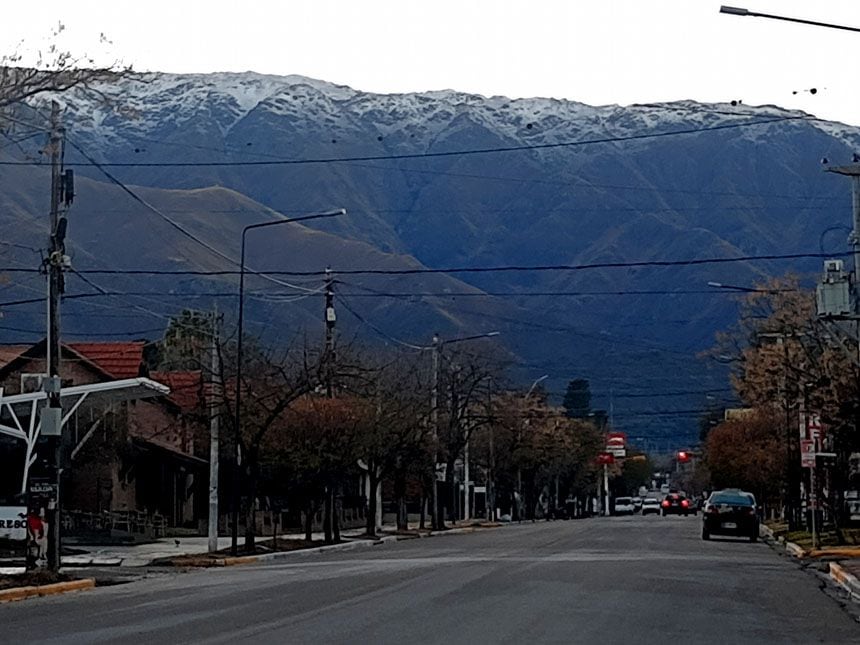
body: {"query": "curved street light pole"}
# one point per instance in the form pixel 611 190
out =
pixel 740 11
pixel 237 453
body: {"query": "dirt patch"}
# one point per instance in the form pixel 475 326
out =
pixel 217 559
pixel 32 579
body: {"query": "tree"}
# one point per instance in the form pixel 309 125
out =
pixel 783 356
pixel 396 390
pixel 463 408
pixel 748 453
pixel 577 399
pixel 53 71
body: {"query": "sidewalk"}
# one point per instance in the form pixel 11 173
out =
pixel 141 555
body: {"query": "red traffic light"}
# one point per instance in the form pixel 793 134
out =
pixel 683 456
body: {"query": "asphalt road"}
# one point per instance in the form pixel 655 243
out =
pixel 619 580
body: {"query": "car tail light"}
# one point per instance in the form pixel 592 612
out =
pixel 714 509
pixel 685 503
pixel 751 511
pixel 665 503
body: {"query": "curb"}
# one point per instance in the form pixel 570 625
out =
pixel 281 555
pixel 794 550
pixel 847 581
pixel 22 593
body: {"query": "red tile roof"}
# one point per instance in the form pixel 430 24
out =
pixel 118 359
pixel 186 388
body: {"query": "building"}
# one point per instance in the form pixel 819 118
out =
pixel 132 467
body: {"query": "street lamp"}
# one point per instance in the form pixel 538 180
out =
pixel 434 409
pixel 740 11
pixel 535 384
pixel 234 510
pixel 520 436
pixel 732 287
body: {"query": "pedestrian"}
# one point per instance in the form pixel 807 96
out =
pixel 35 536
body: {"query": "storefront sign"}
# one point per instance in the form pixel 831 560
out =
pixel 13 522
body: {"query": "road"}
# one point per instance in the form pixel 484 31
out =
pixel 618 580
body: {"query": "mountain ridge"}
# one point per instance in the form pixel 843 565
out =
pixel 749 190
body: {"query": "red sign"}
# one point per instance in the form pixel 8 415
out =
pixel 807 453
pixel 618 439
pixel 605 458
pixel 813 426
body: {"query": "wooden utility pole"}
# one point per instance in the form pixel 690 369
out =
pixel 62 193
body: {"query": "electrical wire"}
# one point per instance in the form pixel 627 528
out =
pixel 179 227
pixel 491 269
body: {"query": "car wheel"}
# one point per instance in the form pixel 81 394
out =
pixel 705 534
pixel 753 537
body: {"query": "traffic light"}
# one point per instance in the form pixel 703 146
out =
pixel 683 456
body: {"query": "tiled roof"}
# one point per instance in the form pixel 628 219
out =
pixel 186 388
pixel 118 359
pixel 9 353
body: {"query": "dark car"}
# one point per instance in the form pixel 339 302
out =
pixel 675 504
pixel 730 512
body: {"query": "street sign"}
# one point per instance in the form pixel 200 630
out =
pixel 605 458
pixel 616 444
pixel 43 488
pixel 813 427
pixel 807 453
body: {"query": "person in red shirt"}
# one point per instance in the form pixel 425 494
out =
pixel 35 533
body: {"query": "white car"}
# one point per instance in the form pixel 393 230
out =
pixel 624 506
pixel 650 505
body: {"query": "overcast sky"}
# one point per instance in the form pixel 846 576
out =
pixel 594 51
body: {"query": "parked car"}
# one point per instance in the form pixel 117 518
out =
pixel 650 505
pixel 637 504
pixel 730 512
pixel 624 506
pixel 675 504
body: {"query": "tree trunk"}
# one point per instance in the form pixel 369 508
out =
pixel 373 483
pixel 423 511
pixel 337 507
pixel 309 519
pixel 400 497
pixel 327 515
pixel 449 482
pixel 251 505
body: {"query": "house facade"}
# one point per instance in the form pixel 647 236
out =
pixel 130 466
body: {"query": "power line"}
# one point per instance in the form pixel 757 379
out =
pixel 178 226
pixel 491 269
pixel 424 155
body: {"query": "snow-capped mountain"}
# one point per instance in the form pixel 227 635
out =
pixel 455 179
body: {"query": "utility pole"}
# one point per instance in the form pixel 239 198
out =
pixel 330 320
pixel 214 431
pixel 606 488
pixel 62 194
pixel 434 422
pixel 467 502
pixel 853 171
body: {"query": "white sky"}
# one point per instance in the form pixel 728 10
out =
pixel 594 51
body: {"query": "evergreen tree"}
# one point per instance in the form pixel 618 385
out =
pixel 577 399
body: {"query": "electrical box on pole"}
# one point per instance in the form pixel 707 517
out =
pixel 833 293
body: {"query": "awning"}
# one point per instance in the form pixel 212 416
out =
pixel 71 399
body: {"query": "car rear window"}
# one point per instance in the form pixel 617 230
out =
pixel 623 500
pixel 734 499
